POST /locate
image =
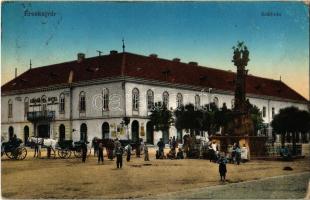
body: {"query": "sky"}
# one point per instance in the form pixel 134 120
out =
pixel 276 34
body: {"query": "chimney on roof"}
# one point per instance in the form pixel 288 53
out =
pixel 15 72
pixel 80 57
pixel 193 63
pixel 176 59
pixel 153 55
pixel 112 52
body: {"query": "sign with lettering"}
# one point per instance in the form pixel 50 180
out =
pixel 49 100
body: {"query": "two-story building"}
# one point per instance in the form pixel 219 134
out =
pixel 89 97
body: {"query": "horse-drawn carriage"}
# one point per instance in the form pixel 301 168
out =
pixel 65 147
pixel 13 149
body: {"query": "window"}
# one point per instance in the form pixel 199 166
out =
pixel 10 106
pixel 272 112
pixel 216 101
pixel 264 111
pixel 82 102
pixel 62 132
pixel 150 100
pixel 44 103
pixel 166 99
pixel 135 99
pixel 179 100
pixel 62 103
pixel 26 106
pixel 197 101
pixel 105 99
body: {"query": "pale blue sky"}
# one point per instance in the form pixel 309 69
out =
pixel 193 31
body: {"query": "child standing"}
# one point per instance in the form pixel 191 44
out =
pixel 222 167
pixel 146 152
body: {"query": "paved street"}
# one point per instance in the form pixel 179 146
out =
pixel 280 187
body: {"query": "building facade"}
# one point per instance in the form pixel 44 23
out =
pixel 89 97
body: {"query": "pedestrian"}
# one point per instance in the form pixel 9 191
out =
pixel 100 153
pixel 119 156
pixel 170 142
pixel 128 150
pixel 238 154
pixel 161 146
pixel 174 143
pixel 95 145
pixel 138 150
pixel 84 151
pixel 146 153
pixel 222 167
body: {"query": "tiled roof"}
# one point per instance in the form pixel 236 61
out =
pixel 146 67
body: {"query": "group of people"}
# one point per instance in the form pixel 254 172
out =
pixel 172 154
pixel 117 150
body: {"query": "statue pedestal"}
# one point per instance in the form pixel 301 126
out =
pixel 254 144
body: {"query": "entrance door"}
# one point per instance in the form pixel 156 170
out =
pixel 11 132
pixel 166 136
pixel 105 130
pixel 26 134
pixel 149 133
pixel 83 132
pixel 44 131
pixel 135 131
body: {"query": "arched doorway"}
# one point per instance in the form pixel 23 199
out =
pixel 149 133
pixel 44 131
pixel 11 132
pixel 26 134
pixel 135 131
pixel 105 130
pixel 62 132
pixel 83 132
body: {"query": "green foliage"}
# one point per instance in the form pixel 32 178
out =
pixel 161 117
pixel 291 120
pixel 256 116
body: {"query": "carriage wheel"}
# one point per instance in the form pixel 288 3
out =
pixel 78 153
pixel 64 153
pixel 22 153
pixel 9 154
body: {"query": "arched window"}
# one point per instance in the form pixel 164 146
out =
pixel 105 99
pixel 216 101
pixel 135 99
pixel 26 106
pixel 179 100
pixel 10 107
pixel 83 132
pixel 62 103
pixel 150 100
pixel 62 132
pixel 44 103
pixel 197 101
pixel 82 103
pixel 166 99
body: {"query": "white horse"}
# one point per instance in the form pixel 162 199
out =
pixel 47 142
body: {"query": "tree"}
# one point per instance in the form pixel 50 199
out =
pixel 188 118
pixel 291 120
pixel 161 117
